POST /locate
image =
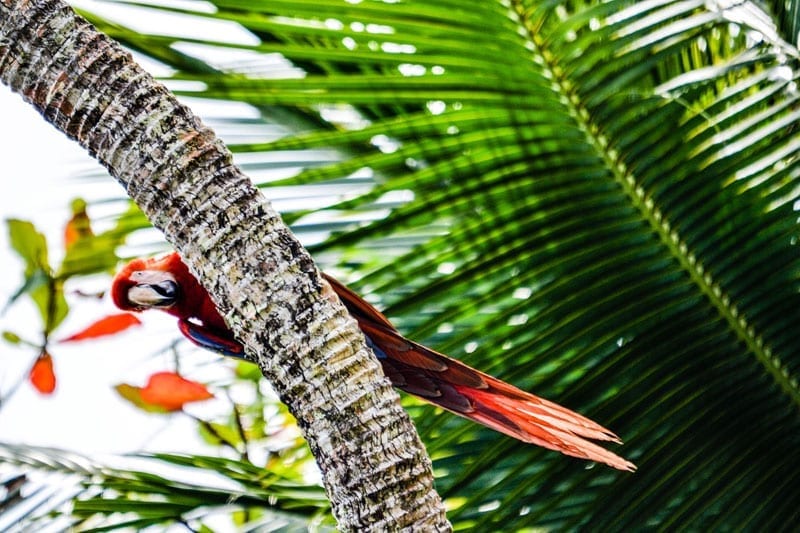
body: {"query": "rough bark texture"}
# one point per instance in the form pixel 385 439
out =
pixel 374 466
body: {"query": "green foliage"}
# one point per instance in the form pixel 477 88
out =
pixel 11 337
pixel 84 253
pixel 271 492
pixel 113 498
pixel 30 244
pixel 593 200
pixel 92 253
pixel 166 499
pixel 46 291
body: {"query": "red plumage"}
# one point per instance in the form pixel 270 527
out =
pixel 411 367
pixel 193 301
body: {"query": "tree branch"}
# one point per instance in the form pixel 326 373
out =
pixel 374 467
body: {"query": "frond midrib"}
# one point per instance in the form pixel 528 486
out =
pixel 666 232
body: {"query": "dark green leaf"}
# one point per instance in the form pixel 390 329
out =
pixel 11 337
pixel 29 244
pixel 596 201
pixel 46 291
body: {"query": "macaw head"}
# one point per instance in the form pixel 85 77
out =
pixel 164 283
pixel 145 284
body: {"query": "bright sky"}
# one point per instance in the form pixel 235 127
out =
pixel 44 172
pixel 85 413
pixel 43 168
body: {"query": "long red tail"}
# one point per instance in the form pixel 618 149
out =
pixel 529 418
pixel 470 393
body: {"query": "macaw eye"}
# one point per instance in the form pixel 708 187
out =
pixel 167 288
pixel 149 292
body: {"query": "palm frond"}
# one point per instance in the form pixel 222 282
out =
pixel 90 496
pixel 596 201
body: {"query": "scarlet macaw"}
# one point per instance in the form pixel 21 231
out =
pixel 165 283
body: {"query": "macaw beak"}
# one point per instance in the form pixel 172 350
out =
pixel 153 288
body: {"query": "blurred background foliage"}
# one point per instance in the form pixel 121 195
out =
pixel 596 201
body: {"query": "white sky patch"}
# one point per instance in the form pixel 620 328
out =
pixel 174 24
pixel 397 48
pixel 262 65
pixel 401 196
pixel 411 69
pixel 447 327
pixel 385 144
pixel 436 107
pixel 491 506
pixel 334 24
pixel 518 320
pixel 380 29
pixel 349 43
pixel 342 114
pixel 522 293
pixel 446 268
pixel 187 85
pixel 781 73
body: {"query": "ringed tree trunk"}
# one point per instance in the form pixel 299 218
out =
pixel 374 466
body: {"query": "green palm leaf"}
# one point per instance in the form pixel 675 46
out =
pixel 107 498
pixel 595 201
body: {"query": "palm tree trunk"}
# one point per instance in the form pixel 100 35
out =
pixel 374 467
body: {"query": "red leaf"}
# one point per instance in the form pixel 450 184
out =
pixel 134 395
pixel 79 226
pixel 171 391
pixel 108 325
pixel 42 376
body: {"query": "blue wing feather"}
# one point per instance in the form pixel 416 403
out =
pixel 211 340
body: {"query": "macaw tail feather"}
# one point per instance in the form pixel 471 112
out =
pixel 459 388
pixel 529 418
